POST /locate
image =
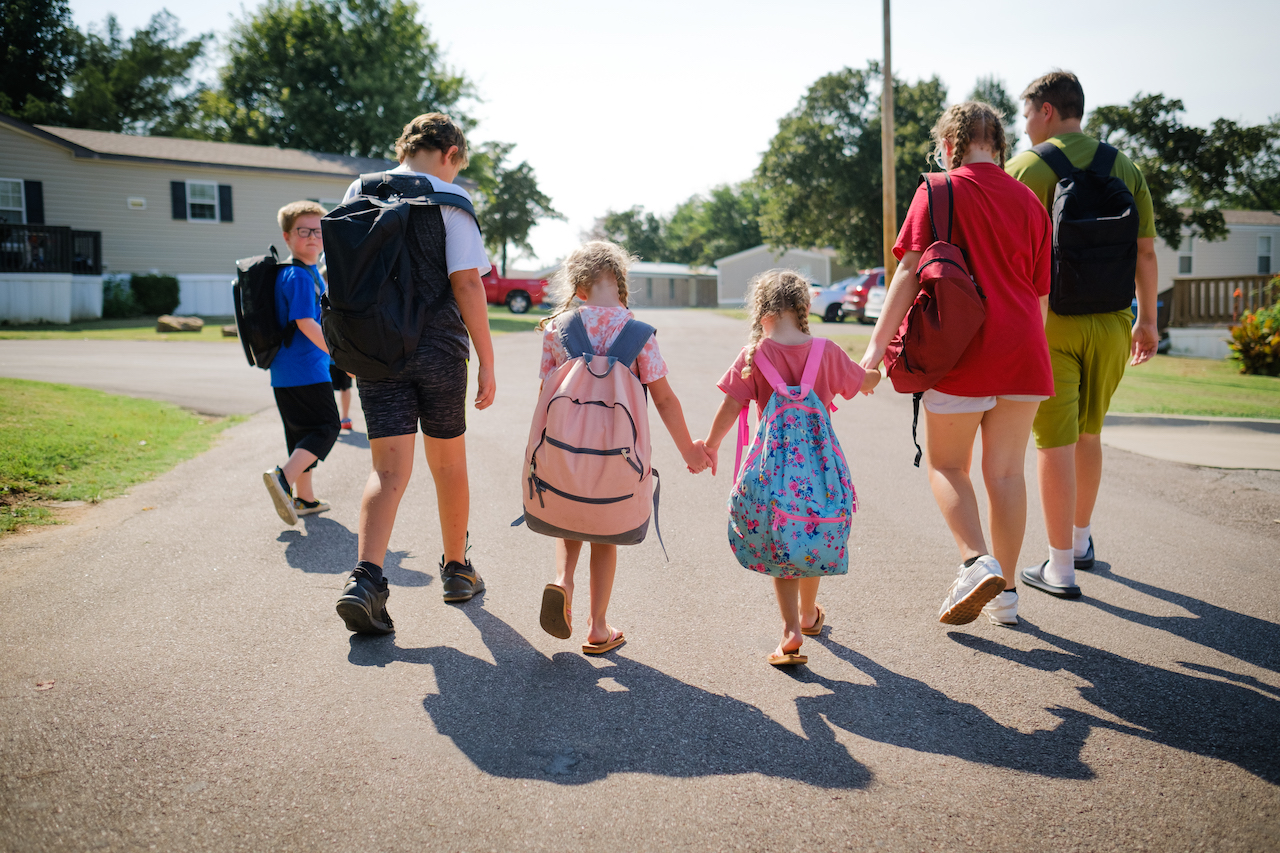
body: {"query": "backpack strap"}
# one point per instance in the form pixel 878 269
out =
pixel 630 341
pixel 811 366
pixel 775 380
pixel 1056 160
pixel 574 337
pixel 381 185
pixel 1104 159
pixel 744 438
pixel 939 231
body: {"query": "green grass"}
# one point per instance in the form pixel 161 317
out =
pixel 502 320
pixel 132 329
pixel 1196 386
pixel 63 444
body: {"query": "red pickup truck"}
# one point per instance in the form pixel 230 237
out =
pixel 518 294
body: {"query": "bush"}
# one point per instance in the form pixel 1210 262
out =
pixel 1255 343
pixel 155 294
pixel 117 299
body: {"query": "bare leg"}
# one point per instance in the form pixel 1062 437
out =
pixel 567 551
pixel 949 454
pixel 295 471
pixel 1088 476
pixel 1056 471
pixel 447 459
pixel 1005 430
pixel 808 601
pixel 787 591
pixel 392 466
pixel 604 565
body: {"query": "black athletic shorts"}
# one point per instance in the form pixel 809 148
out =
pixel 341 381
pixel 310 418
pixel 431 390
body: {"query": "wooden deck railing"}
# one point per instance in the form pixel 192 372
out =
pixel 1219 301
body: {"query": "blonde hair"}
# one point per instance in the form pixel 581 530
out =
pixel 432 132
pixel 291 212
pixel 774 293
pixel 967 123
pixel 581 270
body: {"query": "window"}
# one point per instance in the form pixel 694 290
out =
pixel 202 201
pixel 1264 254
pixel 1185 254
pixel 12 206
pixel 671 289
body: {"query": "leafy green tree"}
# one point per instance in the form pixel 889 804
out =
pixel 141 85
pixel 821 176
pixel 1247 161
pixel 513 203
pixel 37 55
pixel 702 229
pixel 636 230
pixel 342 76
pixel 991 89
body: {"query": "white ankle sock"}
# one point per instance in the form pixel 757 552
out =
pixel 1061 570
pixel 1080 539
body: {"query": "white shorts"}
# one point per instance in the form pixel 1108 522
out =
pixel 951 404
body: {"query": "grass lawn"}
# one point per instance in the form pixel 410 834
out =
pixel 72 444
pixel 1196 386
pixel 132 329
pixel 502 320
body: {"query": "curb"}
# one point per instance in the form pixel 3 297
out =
pixel 1254 424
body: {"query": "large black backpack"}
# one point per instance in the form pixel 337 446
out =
pixel 254 294
pixel 374 313
pixel 1095 234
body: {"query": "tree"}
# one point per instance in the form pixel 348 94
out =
pixel 342 76
pixel 700 230
pixel 135 86
pixel 637 231
pixel 513 203
pixel 821 176
pixel 1248 160
pixel 991 90
pixel 37 55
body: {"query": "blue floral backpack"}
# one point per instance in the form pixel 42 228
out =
pixel 793 500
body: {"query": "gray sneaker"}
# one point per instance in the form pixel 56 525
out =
pixel 974 586
pixel 363 605
pixel 281 495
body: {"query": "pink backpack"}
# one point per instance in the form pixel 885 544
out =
pixel 586 467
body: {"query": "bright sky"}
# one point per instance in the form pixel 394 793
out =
pixel 619 104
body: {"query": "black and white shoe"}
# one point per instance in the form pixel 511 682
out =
pixel 460 581
pixel 363 605
pixel 1083 564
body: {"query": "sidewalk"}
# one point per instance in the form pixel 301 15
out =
pixel 1208 442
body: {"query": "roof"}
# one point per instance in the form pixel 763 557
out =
pixel 777 254
pixel 645 268
pixel 102 145
pixel 1251 217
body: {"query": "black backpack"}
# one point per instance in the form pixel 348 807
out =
pixel 373 314
pixel 1095 234
pixel 254 295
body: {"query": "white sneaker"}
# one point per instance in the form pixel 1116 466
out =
pixel 1003 609
pixel 302 507
pixel 974 586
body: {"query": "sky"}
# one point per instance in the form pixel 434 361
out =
pixel 622 104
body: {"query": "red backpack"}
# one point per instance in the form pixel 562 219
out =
pixel 947 313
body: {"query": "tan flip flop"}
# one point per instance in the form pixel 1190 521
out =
pixel 788 659
pixel 555 612
pixel 615 639
pixel 816 629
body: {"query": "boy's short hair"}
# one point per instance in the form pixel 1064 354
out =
pixel 289 214
pixel 1060 88
pixel 432 132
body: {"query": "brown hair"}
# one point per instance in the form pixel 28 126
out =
pixel 289 214
pixel 774 293
pixel 967 123
pixel 581 270
pixel 432 132
pixel 1060 88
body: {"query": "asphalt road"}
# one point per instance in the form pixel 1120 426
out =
pixel 205 695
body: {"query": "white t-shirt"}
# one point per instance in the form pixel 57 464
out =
pixel 463 244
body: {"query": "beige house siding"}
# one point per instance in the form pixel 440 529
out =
pixel 736 271
pixel 1236 255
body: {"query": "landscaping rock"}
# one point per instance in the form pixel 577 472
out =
pixel 169 323
pixel 230 331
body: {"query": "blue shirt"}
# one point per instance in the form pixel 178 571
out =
pixel 298 362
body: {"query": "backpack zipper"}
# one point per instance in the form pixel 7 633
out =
pixel 543 486
pixel 624 452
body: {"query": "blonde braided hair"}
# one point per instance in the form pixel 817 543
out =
pixel 774 293
pixel 967 123
pixel 581 269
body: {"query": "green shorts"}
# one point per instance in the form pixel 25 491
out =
pixel 1088 353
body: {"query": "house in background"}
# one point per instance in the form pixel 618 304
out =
pixel 671 285
pixel 737 270
pixel 141 204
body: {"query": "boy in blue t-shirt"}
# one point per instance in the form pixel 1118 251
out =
pixel 300 371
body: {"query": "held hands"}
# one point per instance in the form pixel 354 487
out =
pixel 698 458
pixel 1144 342
pixel 870 381
pixel 488 386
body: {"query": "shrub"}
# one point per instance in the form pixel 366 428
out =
pixel 117 299
pixel 1255 343
pixel 155 294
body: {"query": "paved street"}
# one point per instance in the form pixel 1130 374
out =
pixel 205 695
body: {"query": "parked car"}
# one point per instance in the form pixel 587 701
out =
pixel 875 299
pixel 826 301
pixel 857 300
pixel 518 294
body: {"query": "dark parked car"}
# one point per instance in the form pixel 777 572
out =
pixel 856 293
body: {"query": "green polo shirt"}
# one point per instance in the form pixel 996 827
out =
pixel 1028 168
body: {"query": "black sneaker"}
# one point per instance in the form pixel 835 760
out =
pixel 461 581
pixel 363 605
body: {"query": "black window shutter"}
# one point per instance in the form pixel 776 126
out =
pixel 224 203
pixel 178 192
pixel 34 191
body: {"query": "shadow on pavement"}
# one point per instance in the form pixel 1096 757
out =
pixel 572 721
pixel 329 548
pixel 355 439
pixel 1248 638
pixel 908 713
pixel 1197 715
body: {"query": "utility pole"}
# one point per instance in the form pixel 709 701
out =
pixel 890 206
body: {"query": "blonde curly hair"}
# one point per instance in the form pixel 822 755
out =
pixel 581 270
pixel 773 293
pixel 967 123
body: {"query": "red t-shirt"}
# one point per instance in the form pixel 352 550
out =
pixel 837 374
pixel 1007 236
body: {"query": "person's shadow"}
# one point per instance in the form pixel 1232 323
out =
pixel 1248 638
pixel 905 712
pixel 355 439
pixel 329 548
pixel 1198 715
pixel 567 720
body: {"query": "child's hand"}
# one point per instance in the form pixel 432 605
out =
pixel 713 456
pixel 696 459
pixel 869 382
